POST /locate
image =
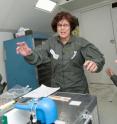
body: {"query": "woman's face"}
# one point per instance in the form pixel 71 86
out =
pixel 63 29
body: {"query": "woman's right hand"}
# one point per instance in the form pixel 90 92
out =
pixel 23 49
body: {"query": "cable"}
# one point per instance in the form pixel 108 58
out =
pixel 33 118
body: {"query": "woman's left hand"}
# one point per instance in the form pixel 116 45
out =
pixel 90 66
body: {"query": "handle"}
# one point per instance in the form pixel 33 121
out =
pixel 88 118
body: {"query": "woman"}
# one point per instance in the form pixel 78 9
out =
pixel 68 55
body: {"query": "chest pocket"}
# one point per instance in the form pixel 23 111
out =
pixel 55 60
pixel 74 54
pixel 54 55
pixel 77 59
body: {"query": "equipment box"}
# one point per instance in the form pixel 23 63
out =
pixel 80 109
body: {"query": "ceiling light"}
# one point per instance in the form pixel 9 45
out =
pixel 47 5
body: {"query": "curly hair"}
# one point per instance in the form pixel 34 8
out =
pixel 64 15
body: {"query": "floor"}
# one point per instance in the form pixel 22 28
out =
pixel 107 102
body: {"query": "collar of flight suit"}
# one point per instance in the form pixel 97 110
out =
pixel 70 40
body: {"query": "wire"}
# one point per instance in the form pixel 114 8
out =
pixel 33 117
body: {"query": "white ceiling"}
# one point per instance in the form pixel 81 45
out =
pixel 74 4
pixel 22 13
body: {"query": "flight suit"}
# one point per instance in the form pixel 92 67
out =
pixel 67 62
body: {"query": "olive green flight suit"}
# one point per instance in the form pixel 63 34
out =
pixel 67 62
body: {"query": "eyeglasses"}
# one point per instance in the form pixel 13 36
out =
pixel 63 25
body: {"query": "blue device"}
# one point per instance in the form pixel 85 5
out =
pixel 45 109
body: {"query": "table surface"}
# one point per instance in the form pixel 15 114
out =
pixel 72 114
